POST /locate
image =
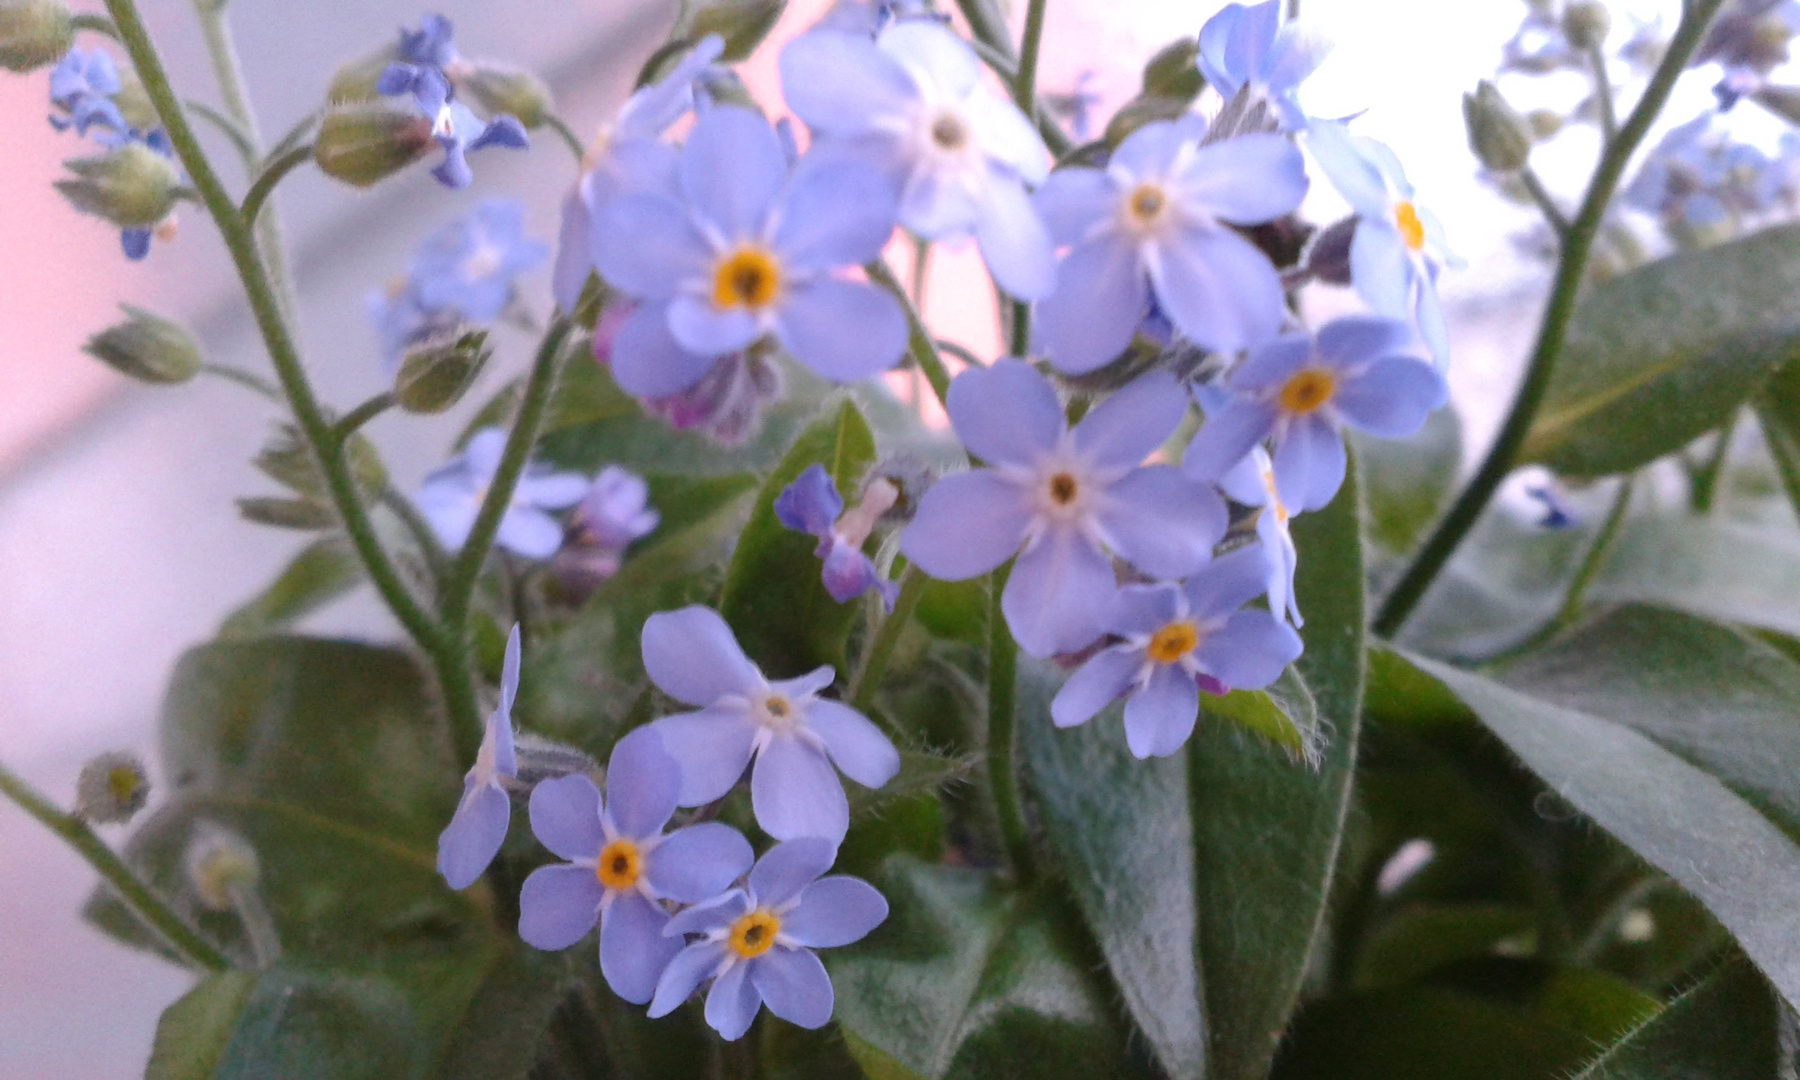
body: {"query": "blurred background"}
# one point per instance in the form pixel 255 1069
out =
pixel 119 545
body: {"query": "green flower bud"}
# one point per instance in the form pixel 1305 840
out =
pixel 355 81
pixel 286 460
pixel 363 144
pixel 34 34
pixel 148 348
pixel 134 103
pixel 499 90
pixel 1174 72
pixel 742 23
pixel 133 187
pixel 436 374
pixel 1585 23
pixel 112 787
pixel 1500 137
pixel 1544 123
pixel 306 515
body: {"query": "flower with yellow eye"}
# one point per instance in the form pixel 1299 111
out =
pixel 756 942
pixel 621 864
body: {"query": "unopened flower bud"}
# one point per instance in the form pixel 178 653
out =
pixel 134 103
pixel 506 91
pixel 288 461
pixel 306 515
pixel 1174 72
pixel 1499 136
pixel 355 80
pixel 436 373
pixel 34 34
pixel 148 348
pixel 539 759
pixel 1585 23
pixel 363 144
pixel 221 865
pixel 1544 123
pixel 112 788
pixel 134 187
pixel 909 477
pixel 741 23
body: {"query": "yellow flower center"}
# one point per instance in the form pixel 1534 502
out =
pixel 123 782
pixel 1146 204
pixel 1063 489
pixel 1268 481
pixel 748 277
pixel 949 132
pixel 754 934
pixel 1307 390
pixel 619 865
pixel 1173 642
pixel 1412 230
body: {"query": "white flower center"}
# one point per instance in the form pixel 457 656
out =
pixel 776 711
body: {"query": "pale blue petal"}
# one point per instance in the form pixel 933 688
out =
pixel 1227 583
pixel 1243 482
pixel 1161 522
pixel 1151 149
pixel 967 524
pixel 1357 178
pixel 1381 268
pixel 1214 58
pixel 1357 339
pixel 1250 651
pixel 1246 180
pixel 928 49
pixel 1102 293
pixel 474 834
pixel 794 986
pixel 846 331
pixel 1160 716
pixel 1073 200
pixel 531 534
pixel 1095 685
pixel 697 863
pixel 732 168
pixel 840 83
pixel 633 950
pixel 646 245
pixel 1278 547
pixel 483 452
pixel 711 915
pixel 1391 398
pixel 1226 439
pixel 558 905
pixel 448 503
pixel 811 504
pixel 732 1003
pixel 847 573
pixel 785 870
pixel 1058 593
pixel 856 746
pixel 1295 55
pixel 1002 130
pixel 694 657
pixel 1429 315
pixel 551 490
pixel 509 692
pixel 1013 240
pixel 1252 33
pixel 808 684
pixel 691 967
pixel 574 258
pixel 1311 458
pixel 840 213
pixel 1129 426
pixel 937 204
pixel 704 329
pixel 1270 365
pixel 1144 609
pixel 795 792
pixel 643 781
pixel 835 911
pixel 565 817
pixel 646 359
pixel 1219 289
pixel 1006 414
pixel 712 746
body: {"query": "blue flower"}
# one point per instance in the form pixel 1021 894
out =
pixel 1252 482
pixel 621 865
pixel 82 86
pixel 1154 219
pixel 470 264
pixel 1179 640
pixel 793 735
pixel 1748 41
pixel 749 250
pixel 913 103
pixel 1062 499
pixel 1252 50
pixel 428 51
pixel 811 505
pixel 460 132
pixel 475 832
pixel 756 943
pixel 1360 372
pixel 1398 248
pixel 616 510
pixel 451 498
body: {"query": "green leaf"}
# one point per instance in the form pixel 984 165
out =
pixel 324 570
pixel 1417 939
pixel 1725 1028
pixel 1676 816
pixel 1285 714
pixel 774 598
pixel 1407 481
pixel 1778 411
pixel 1722 569
pixel 192 1034
pixel 1661 355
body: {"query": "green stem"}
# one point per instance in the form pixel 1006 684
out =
pixel 239 138
pixel 1030 43
pixel 1705 481
pixel 137 896
pixel 1603 96
pixel 923 348
pixel 1546 205
pixel 1591 564
pixel 271 175
pixel 567 134
pixel 867 680
pixel 1020 343
pixel 1002 723
pixel 99 24
pixel 1570 270
pixel 243 378
pixel 353 420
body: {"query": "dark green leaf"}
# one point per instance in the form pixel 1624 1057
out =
pixel 1723 1029
pixel 1285 714
pixel 192 1034
pixel 1722 569
pixel 1417 939
pixel 1407 481
pixel 1661 355
pixel 1401 694
pixel 1778 411
pixel 324 570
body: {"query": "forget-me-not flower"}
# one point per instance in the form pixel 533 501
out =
pixel 471 264
pixel 811 505
pixel 451 498
pixel 1748 40
pixel 1063 500
pixel 1253 49
pixel 82 85
pixel 749 250
pixel 1398 247
pixel 1252 482
pixel 428 51
pixel 793 735
pixel 621 865
pixel 1178 640
pixel 616 509
pixel 912 101
pixel 1360 372
pixel 459 132
pixel 756 942
pixel 1154 220
pixel 473 837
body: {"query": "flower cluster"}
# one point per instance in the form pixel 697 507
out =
pixel 422 71
pixel 133 183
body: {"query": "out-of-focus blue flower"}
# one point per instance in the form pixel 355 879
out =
pixel 756 943
pixel 1179 640
pixel 793 735
pixel 616 509
pixel 749 250
pixel 82 86
pixel 1063 500
pixel 473 837
pixel 912 103
pixel 451 498
pixel 1077 105
pixel 1361 372
pixel 1253 49
pixel 1154 219
pixel 1399 247
pixel 1699 179
pixel 1539 45
pixel 1748 40
pixel 470 264
pixel 621 866
pixel 428 51
pixel 811 505
pixel 1252 482
pixel 1557 514
pixel 460 132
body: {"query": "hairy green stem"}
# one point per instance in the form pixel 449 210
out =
pixel 1603 96
pixel 1002 727
pixel 567 134
pixel 1570 270
pixel 1030 44
pixel 866 683
pixel 99 24
pixel 353 420
pixel 923 348
pixel 243 378
pixel 1534 186
pixel 272 174
pixel 137 896
pixel 1704 488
